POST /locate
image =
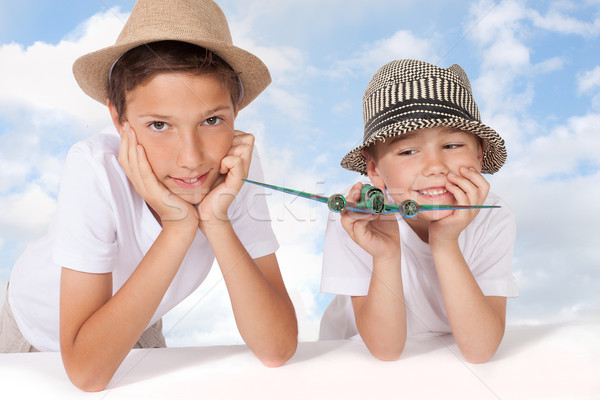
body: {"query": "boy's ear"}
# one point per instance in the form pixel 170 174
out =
pixel 114 116
pixel 481 151
pixel 372 169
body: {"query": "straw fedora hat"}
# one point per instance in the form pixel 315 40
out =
pixel 406 95
pixel 199 22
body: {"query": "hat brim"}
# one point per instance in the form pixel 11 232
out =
pixel 91 70
pixel 494 154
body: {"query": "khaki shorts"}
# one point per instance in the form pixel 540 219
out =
pixel 12 341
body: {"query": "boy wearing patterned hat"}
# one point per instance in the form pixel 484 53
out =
pixel 440 272
pixel 143 213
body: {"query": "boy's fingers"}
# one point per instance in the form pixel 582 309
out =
pixel 459 194
pixel 463 184
pixel 354 194
pixel 477 179
pixel 358 216
pixel 123 148
pixel 242 147
pixel 233 165
pixel 134 166
pixel 143 164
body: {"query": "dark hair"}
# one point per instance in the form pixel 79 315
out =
pixel 144 62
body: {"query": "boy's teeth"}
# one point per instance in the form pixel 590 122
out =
pixel 433 192
pixel 190 180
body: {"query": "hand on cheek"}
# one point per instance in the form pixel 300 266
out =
pixel 232 169
pixel 469 188
pixel 171 209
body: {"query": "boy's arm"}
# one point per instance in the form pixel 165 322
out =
pixel 477 321
pixel 381 314
pixel 262 308
pixel 97 330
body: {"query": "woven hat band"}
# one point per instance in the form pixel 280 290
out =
pixel 414 110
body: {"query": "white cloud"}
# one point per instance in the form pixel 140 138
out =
pixel 492 21
pixel 402 44
pixel 289 103
pixel 26 215
pixel 39 76
pixel 42 109
pixel 589 80
pixel 557 20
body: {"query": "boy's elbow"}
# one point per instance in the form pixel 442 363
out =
pixel 391 353
pixel 88 382
pixel 85 375
pixel 478 356
pixel 277 360
pixel 280 356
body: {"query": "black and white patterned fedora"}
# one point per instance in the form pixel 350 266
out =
pixel 406 95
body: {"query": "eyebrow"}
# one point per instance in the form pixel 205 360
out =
pixel 204 115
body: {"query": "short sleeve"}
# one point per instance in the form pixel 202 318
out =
pixel 85 237
pixel 250 216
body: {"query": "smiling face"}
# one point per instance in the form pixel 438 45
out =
pixel 185 123
pixel 415 165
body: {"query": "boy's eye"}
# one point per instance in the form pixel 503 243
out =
pixel 408 152
pixel 213 121
pixel 158 125
pixel 453 146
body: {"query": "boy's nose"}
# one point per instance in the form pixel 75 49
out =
pixel 191 151
pixel 434 165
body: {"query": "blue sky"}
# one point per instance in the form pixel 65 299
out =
pixel 535 71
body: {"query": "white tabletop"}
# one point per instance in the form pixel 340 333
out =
pixel 556 362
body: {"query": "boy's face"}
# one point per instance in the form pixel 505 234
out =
pixel 415 165
pixel 186 125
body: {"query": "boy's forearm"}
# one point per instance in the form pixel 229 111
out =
pixel 107 336
pixel 381 319
pixel 264 314
pixel 477 327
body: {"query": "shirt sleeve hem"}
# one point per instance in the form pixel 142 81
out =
pixel 504 288
pixel 77 263
pixel 261 249
pixel 344 286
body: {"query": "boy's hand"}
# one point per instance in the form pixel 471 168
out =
pixel 469 188
pixel 171 209
pixel 377 234
pixel 234 167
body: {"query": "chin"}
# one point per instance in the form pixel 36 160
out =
pixel 437 215
pixel 190 197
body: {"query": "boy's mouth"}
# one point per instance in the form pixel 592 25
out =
pixel 191 182
pixel 434 195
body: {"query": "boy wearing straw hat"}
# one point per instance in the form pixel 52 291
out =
pixel 143 214
pixel 442 271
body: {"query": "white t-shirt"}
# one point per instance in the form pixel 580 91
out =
pixel 486 244
pixel 103 225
